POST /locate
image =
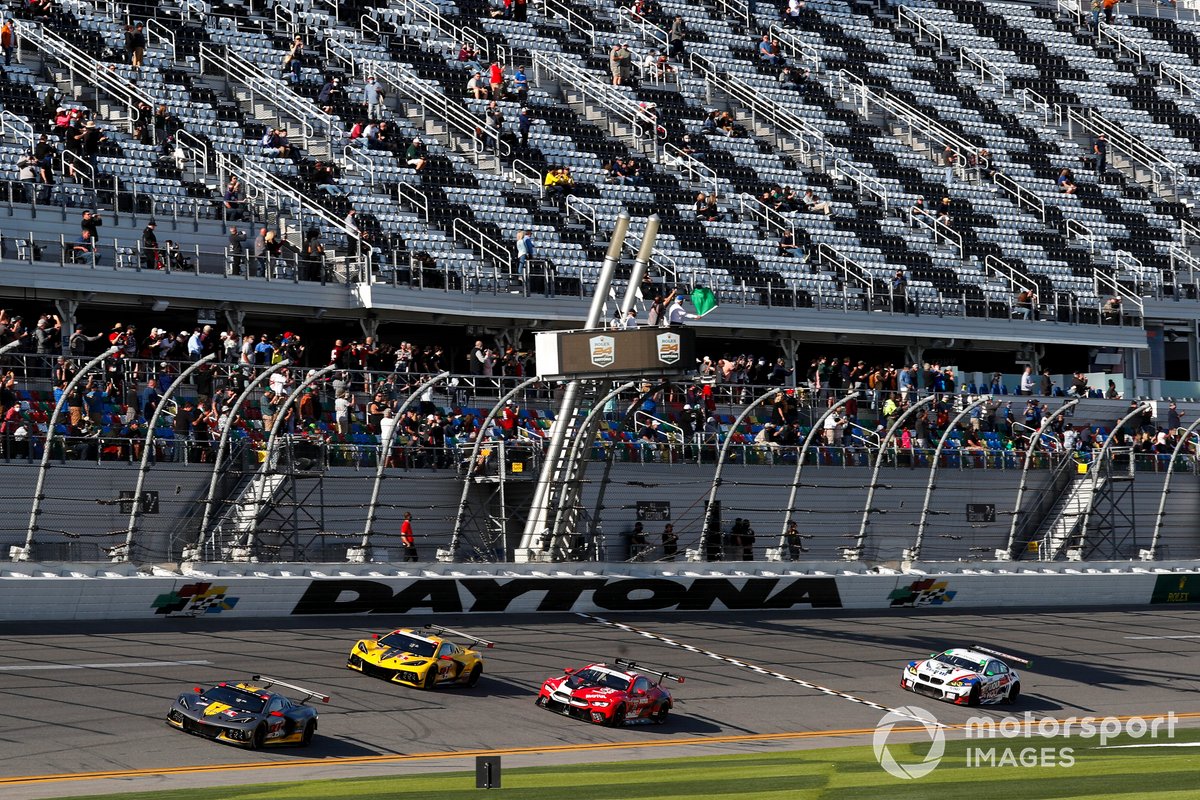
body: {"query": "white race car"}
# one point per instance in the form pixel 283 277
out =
pixel 963 676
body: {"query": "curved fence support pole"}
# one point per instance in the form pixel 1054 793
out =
pixel 1095 469
pixel 813 432
pixel 456 537
pixel 915 553
pixel 384 449
pixel 583 437
pixel 193 553
pixel 147 448
pixel 737 423
pixel 276 424
pixel 883 446
pixel 1152 553
pixel 1029 451
pixel 36 508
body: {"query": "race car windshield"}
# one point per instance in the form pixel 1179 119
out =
pixel 960 662
pixel 236 698
pixel 409 644
pixel 595 677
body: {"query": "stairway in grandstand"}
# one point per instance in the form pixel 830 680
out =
pixel 251 499
pixel 1067 517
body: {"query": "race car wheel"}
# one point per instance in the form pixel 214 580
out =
pixel 542 700
pixel 1013 693
pixel 618 717
pixel 259 739
pixel 973 697
pixel 430 679
pixel 660 714
pixel 309 729
pixel 473 678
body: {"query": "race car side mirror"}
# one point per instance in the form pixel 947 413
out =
pixel 375 636
pixel 640 692
pixel 568 670
pixel 276 713
pixel 197 690
pixel 446 658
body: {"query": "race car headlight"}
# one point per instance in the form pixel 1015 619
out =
pixel 362 648
pixel 911 669
pixel 601 703
pixel 960 682
pixel 416 663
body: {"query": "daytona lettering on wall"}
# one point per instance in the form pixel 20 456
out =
pixel 483 595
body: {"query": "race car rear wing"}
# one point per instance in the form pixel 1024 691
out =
pixel 460 634
pixel 623 662
pixel 308 693
pixel 1025 662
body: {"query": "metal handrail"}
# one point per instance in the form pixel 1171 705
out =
pixel 1160 167
pixel 1122 42
pixel 285 20
pixel 431 15
pixel 808 141
pixel 1188 229
pixel 1183 82
pixel 584 210
pixel 165 35
pixel 648 30
pixel 866 183
pixel 582 25
pixel 940 230
pixel 1017 281
pixel 523 174
pixel 749 204
pixel 851 270
pixel 921 26
pixel 18 126
pixel 483 245
pixel 988 72
pixel 1023 197
pixel 620 107
pixel 796 48
pixel 695 169
pixel 1108 284
pixel 1078 230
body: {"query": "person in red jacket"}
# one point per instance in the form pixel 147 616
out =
pixel 406 537
pixel 496 79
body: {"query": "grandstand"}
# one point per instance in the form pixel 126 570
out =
pixel 250 116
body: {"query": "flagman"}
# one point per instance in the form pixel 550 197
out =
pixel 676 315
pixel 702 298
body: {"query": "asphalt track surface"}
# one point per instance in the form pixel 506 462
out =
pixel 90 698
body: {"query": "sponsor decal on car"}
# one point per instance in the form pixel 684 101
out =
pixel 194 599
pixel 921 593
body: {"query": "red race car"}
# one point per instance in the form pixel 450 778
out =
pixel 610 695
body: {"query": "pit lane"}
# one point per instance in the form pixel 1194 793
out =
pixel 90 698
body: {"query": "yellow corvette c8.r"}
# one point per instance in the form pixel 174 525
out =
pixel 424 658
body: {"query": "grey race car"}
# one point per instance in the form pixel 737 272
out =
pixel 247 714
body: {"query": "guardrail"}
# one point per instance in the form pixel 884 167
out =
pixel 792 134
pixel 486 248
pixel 921 26
pixel 1023 197
pixel 1184 83
pixel 941 231
pixel 987 71
pixel 693 168
pixel 420 11
pixel 1110 285
pixel 18 128
pixel 1122 43
pixel 1078 230
pixel 796 48
pixel 850 272
pixel 865 183
pixel 751 206
pixel 1017 281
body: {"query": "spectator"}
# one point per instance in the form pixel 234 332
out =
pixel 670 542
pixel 406 538
pixel 91 223
pixel 331 92
pixel 1026 303
pixel 943 212
pixel 8 40
pixel 676 38
pixel 151 258
pixel 294 60
pixel 524 123
pixel 476 87
pixel 1066 182
pixel 468 56
pixel 787 244
pixel 520 82
pixel 374 99
pixel 1100 148
pixel 525 251
pixel 620 64
pixel 416 154
pixel 1111 313
pixel 260 251
pixel 137 46
pixel 559 183
pixel 496 80
pixel 815 205
pixel 234 204
pixel 1027 384
pixel 84 249
pixel 237 250
pixel 1111 393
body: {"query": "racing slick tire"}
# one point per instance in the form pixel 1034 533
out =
pixel 473 678
pixel 1014 692
pixel 309 729
pixel 259 738
pixel 542 701
pixel 430 679
pixel 973 697
pixel 660 714
pixel 618 717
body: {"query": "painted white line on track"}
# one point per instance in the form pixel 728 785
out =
pixel 1148 744
pixel 1181 636
pixel 114 665
pixel 760 670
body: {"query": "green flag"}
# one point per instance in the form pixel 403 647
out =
pixel 704 300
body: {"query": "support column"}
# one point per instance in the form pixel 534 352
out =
pixel 790 345
pixel 1094 469
pixel 235 318
pixel 370 327
pixel 66 314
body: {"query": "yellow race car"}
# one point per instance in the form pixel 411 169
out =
pixel 423 659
